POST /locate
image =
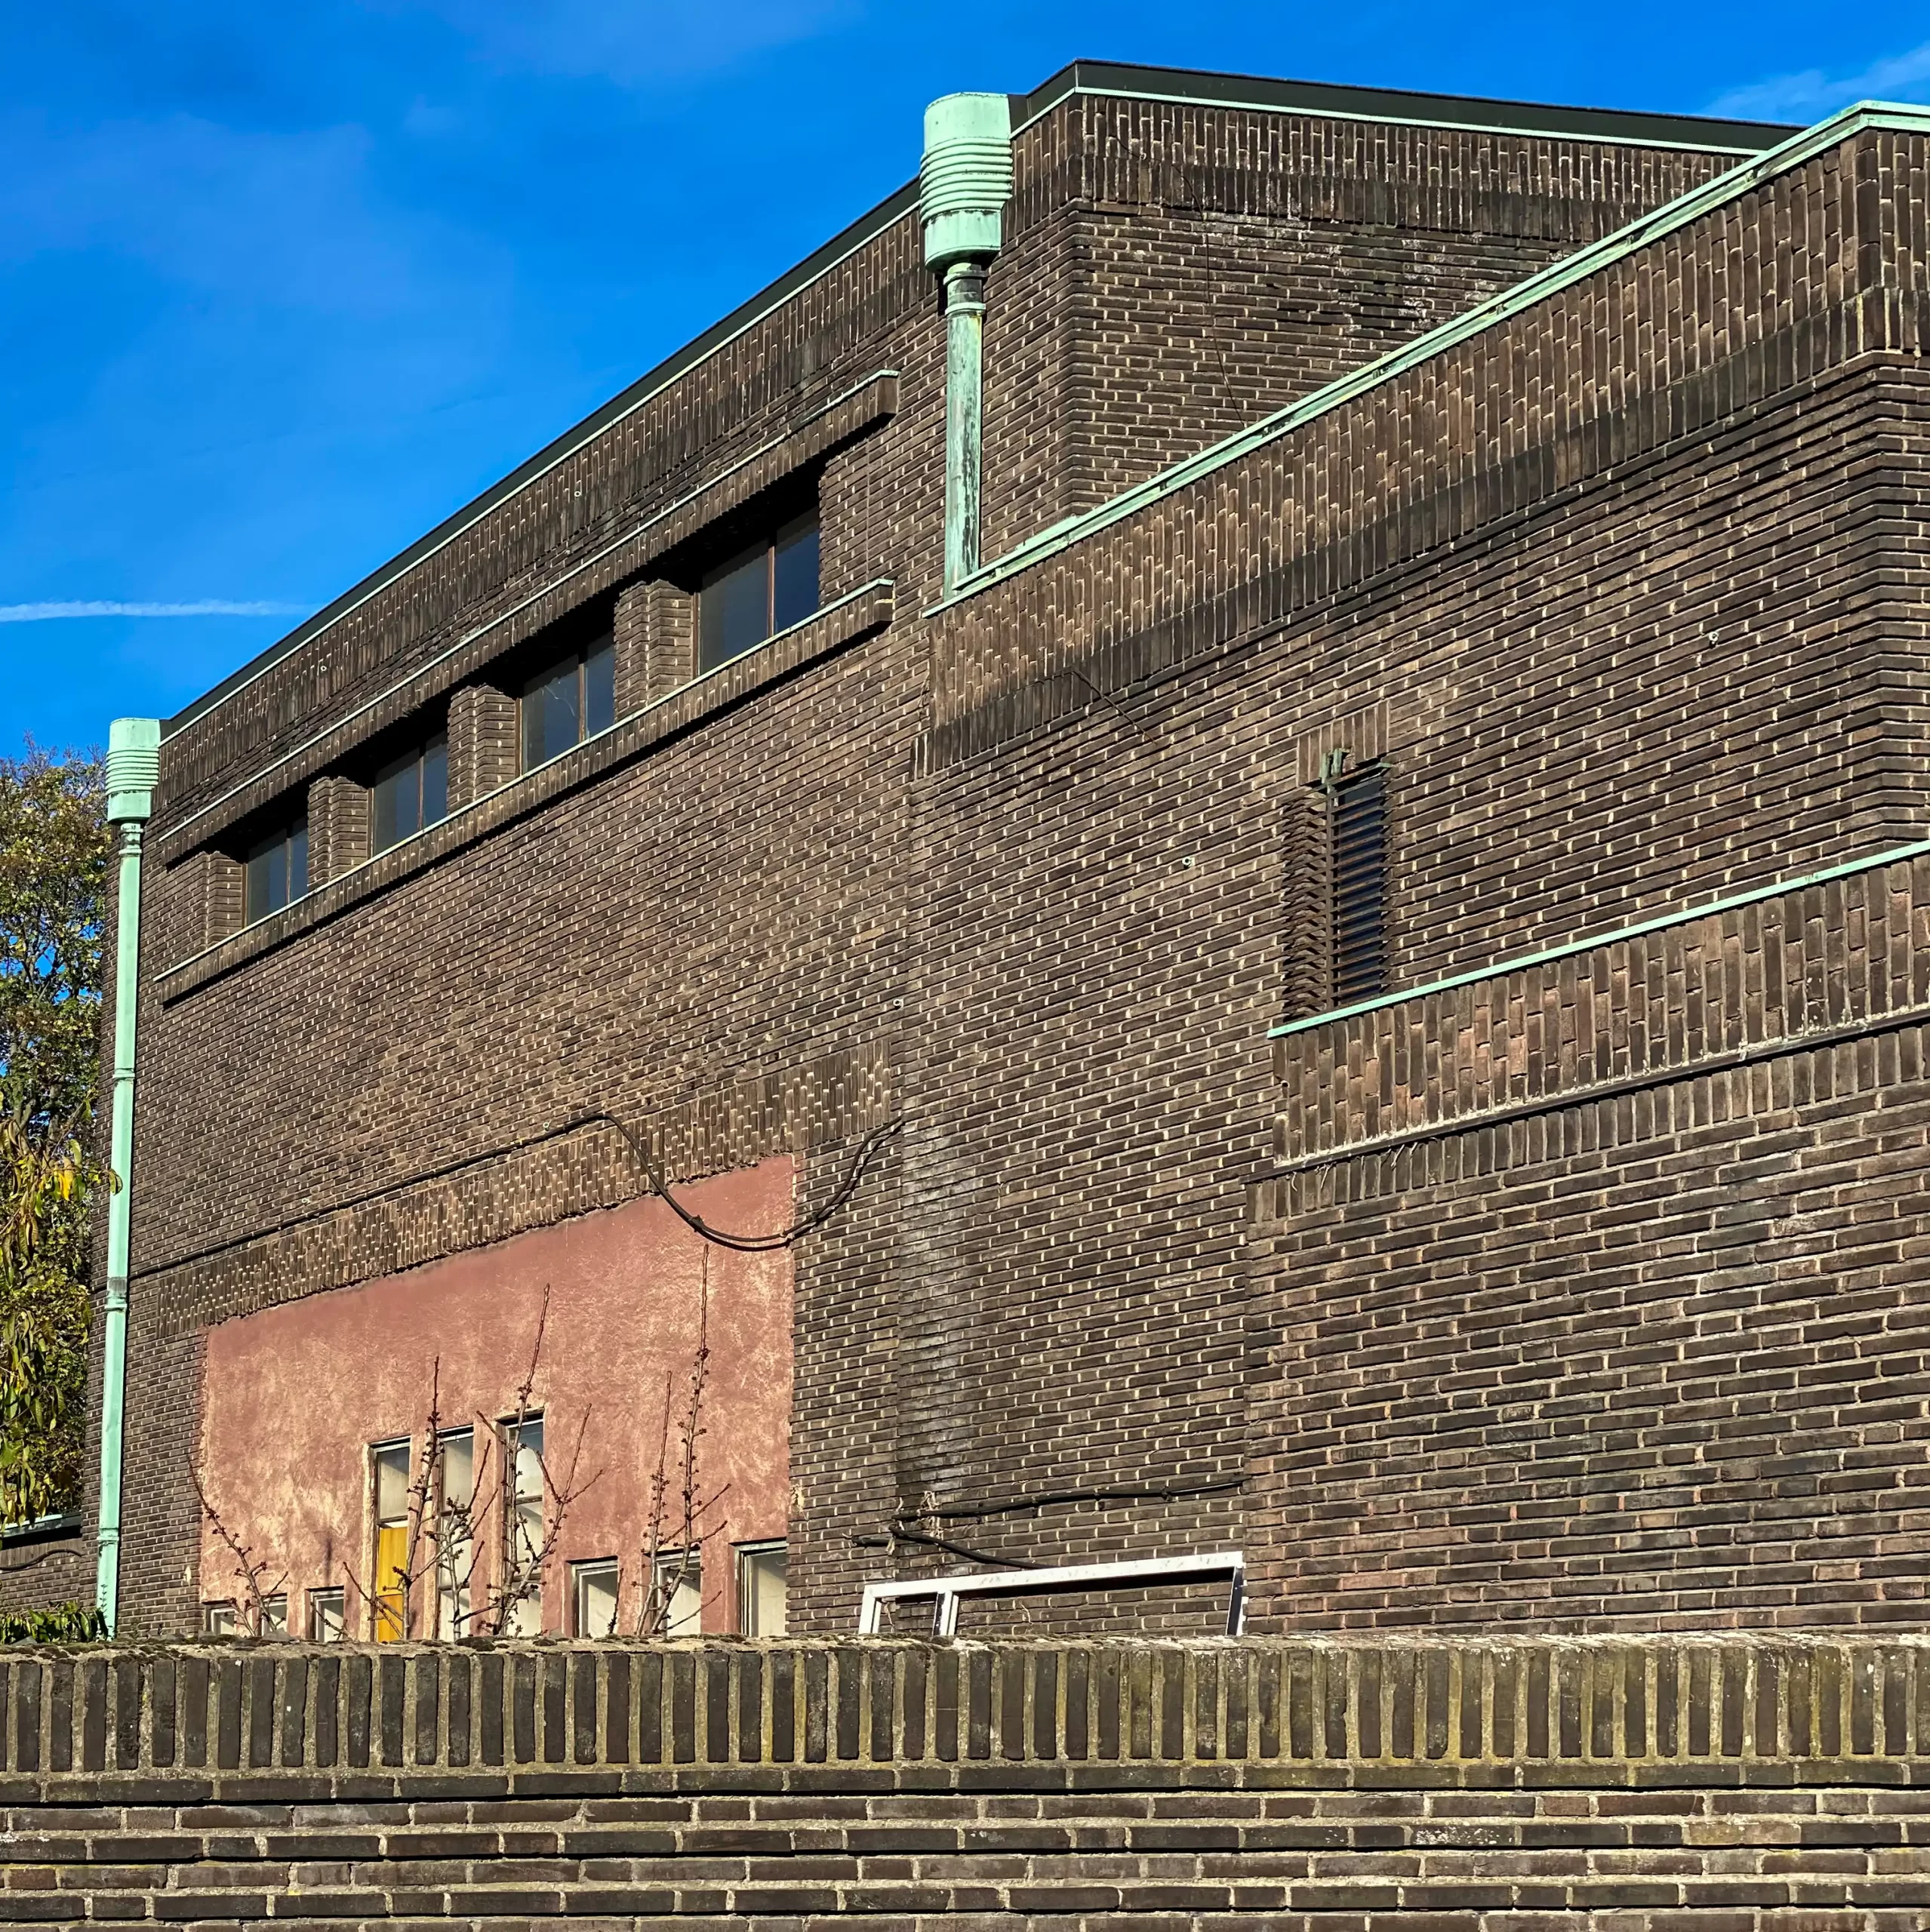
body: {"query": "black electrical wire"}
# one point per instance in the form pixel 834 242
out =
pixel 747 1244
pixel 449 1170
pixel 899 1533
pixel 958 1512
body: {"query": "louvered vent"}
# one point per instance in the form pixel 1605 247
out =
pixel 1360 885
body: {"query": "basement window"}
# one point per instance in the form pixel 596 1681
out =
pixel 219 1620
pixel 762 590
pixel 411 792
pixel 1357 804
pixel 761 1568
pixel 593 1587
pixel 277 869
pixel 327 1616
pixel 390 1597
pixel 678 1587
pixel 568 702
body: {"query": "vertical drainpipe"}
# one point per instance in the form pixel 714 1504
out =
pixel 963 183
pixel 133 763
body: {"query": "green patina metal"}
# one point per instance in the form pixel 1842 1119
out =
pixel 963 183
pixel 1864 116
pixel 1685 915
pixel 133 764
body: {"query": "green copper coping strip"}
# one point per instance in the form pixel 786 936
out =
pixel 1571 269
pixel 1594 942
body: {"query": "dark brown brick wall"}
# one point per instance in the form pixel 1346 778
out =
pixel 1629 590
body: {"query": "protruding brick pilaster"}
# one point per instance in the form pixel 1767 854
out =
pixel 483 752
pixel 656 643
pixel 338 828
pixel 223 896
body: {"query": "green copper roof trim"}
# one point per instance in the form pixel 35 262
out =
pixel 1571 269
pixel 1594 942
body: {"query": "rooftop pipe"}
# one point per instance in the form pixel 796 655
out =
pixel 963 183
pixel 133 764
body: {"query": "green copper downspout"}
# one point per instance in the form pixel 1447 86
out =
pixel 133 762
pixel 963 184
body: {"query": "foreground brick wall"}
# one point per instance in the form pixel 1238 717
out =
pixel 1438 1787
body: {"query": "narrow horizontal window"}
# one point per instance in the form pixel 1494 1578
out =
pixel 763 589
pixel 277 870
pixel 411 792
pixel 569 702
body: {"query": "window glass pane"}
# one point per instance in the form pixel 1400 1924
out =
pixel 435 778
pixel 261 884
pixel 734 609
pixel 525 1441
pixel 274 1615
pixel 218 1619
pixel 682 1582
pixel 549 715
pixel 455 1562
pixel 391 1538
pixel 761 1591
pixel 326 1612
pixel 393 806
pixel 595 1592
pixel 298 861
pixel 794 573
pixel 599 689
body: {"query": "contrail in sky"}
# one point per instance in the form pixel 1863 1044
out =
pixel 206 606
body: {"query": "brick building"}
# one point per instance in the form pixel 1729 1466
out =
pixel 1333 939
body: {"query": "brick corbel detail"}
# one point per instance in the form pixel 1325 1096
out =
pixel 482 743
pixel 338 828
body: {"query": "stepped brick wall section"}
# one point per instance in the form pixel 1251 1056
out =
pixel 1593 1289
pixel 1737 1785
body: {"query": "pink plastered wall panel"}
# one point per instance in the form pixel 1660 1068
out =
pixel 295 1396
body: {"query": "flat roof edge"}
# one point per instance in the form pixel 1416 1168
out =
pixel 1092 77
pixel 1203 88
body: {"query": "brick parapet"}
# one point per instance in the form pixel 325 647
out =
pixel 1630 1711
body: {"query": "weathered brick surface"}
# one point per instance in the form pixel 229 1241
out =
pixel 1630 592
pixel 1693 1786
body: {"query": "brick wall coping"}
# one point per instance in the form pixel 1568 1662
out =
pixel 1571 948
pixel 879 381
pixel 1732 1708
pixel 1783 159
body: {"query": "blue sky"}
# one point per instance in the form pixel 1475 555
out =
pixel 283 286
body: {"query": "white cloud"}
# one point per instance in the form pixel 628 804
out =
pixel 205 606
pixel 1811 94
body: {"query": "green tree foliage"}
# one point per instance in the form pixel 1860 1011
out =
pixel 54 855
